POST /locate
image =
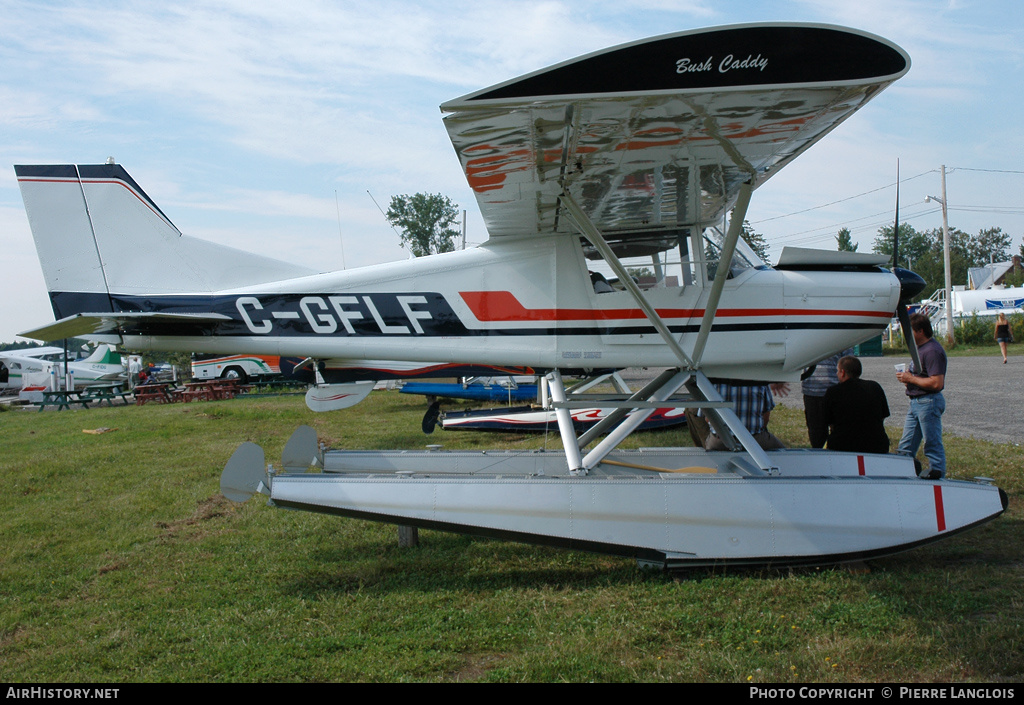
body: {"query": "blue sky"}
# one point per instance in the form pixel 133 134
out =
pixel 264 126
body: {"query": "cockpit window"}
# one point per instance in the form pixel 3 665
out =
pixel 743 258
pixel 677 259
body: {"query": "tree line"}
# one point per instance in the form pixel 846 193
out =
pixel 922 252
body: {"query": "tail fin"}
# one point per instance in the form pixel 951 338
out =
pixel 99 237
pixel 104 355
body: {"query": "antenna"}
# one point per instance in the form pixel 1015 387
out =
pixel 382 212
pixel 896 227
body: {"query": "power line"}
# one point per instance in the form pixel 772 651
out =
pixel 848 198
pixel 1002 210
pixel 885 216
pixel 990 171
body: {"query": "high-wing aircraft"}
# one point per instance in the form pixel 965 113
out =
pixel 101 366
pixel 15 363
pixel 638 151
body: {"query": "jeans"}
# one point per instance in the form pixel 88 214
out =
pixel 924 419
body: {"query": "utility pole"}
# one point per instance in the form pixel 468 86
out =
pixel 945 255
pixel 950 340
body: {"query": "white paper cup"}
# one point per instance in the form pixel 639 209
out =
pixel 902 367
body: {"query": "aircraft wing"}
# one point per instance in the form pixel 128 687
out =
pixel 658 135
pixel 95 325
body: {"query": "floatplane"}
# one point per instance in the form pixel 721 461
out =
pixel 638 151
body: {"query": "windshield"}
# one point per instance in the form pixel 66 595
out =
pixel 743 258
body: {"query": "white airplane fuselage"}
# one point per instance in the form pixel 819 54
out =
pixel 531 303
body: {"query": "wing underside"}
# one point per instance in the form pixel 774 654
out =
pixel 656 137
pixel 95 326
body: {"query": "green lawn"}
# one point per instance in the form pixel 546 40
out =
pixel 122 562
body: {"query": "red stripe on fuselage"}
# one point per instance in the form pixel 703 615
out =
pixel 940 512
pixel 504 307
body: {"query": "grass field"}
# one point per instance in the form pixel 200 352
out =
pixel 121 562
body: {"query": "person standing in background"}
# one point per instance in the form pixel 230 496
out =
pixel 924 387
pixel 820 380
pixel 855 411
pixel 1003 334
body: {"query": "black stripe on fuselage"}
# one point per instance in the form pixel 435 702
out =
pixel 403 314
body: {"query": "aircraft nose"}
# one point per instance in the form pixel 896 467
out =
pixel 911 284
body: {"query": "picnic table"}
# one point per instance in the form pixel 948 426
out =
pixel 159 393
pixel 105 393
pixel 63 399
pixel 210 390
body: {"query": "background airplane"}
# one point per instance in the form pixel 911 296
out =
pixel 102 366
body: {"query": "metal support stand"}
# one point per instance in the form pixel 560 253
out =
pixel 408 537
pixel 565 427
pixel 613 439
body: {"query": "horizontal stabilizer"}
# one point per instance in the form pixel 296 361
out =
pixel 90 325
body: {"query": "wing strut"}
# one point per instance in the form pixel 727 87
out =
pixel 593 235
pixel 728 250
pixel 702 394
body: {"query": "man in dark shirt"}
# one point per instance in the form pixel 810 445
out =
pixel 924 387
pixel 814 385
pixel 855 410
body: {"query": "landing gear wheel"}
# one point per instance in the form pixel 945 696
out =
pixel 431 417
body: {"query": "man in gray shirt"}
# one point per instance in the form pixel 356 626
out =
pixel 924 387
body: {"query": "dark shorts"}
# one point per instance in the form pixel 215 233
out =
pixel 1003 340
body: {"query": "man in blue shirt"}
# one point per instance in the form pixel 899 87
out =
pixel 754 404
pixel 924 387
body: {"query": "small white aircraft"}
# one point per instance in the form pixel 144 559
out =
pixel 638 151
pixel 102 366
pixel 14 364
